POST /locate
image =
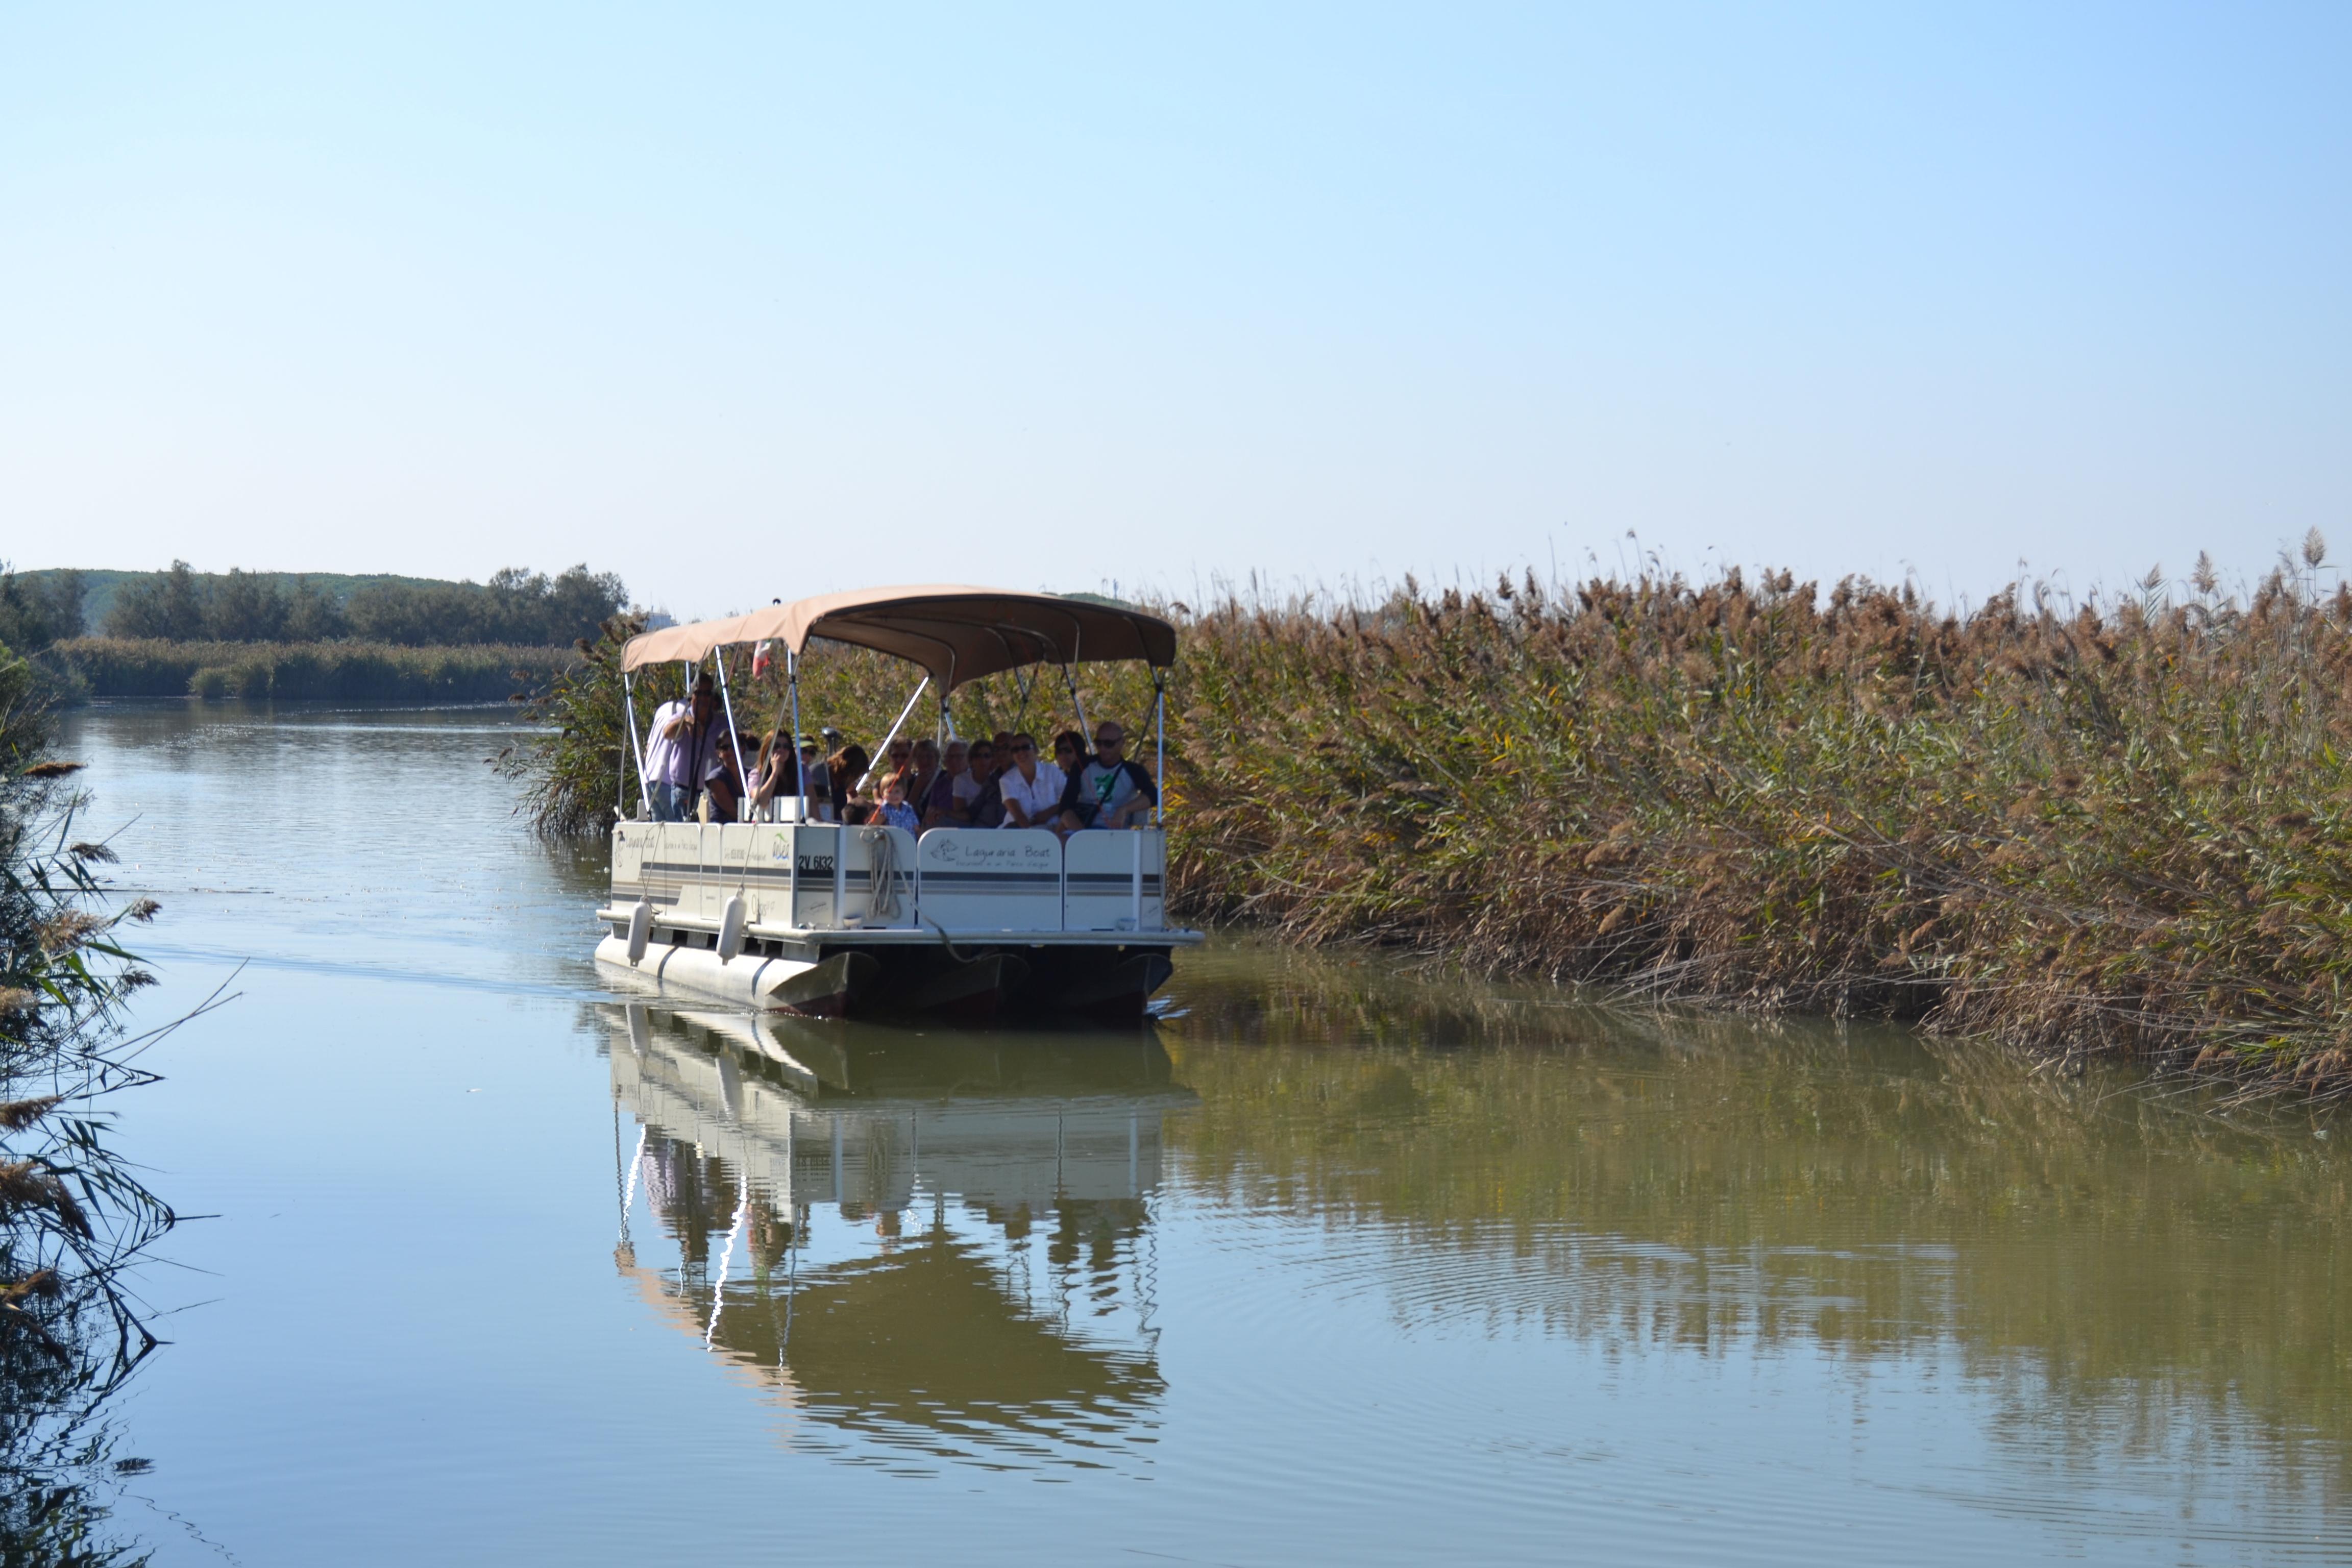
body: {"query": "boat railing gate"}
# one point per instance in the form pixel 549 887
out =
pixel 965 881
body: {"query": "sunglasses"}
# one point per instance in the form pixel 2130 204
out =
pixel 1110 739
pixel 1019 749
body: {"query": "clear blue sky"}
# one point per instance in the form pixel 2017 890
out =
pixel 770 299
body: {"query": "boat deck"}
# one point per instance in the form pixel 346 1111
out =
pixel 819 919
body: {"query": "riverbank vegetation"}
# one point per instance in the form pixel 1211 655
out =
pixel 350 671
pixel 2121 827
pixel 516 606
pixel 38 610
pixel 73 1216
pixel 262 635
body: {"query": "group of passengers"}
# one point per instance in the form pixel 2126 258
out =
pixel 697 768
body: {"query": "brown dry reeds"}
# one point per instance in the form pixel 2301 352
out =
pixel 2103 829
pixel 2112 827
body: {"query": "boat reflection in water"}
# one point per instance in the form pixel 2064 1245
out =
pixel 937 1242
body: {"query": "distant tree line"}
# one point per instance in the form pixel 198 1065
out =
pixel 516 607
pixel 179 606
pixel 37 612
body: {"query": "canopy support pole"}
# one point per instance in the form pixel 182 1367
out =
pixel 775 729
pixel 884 749
pixel 1159 745
pixel 629 707
pixel 1070 674
pixel 1024 688
pixel 718 656
pixel 800 774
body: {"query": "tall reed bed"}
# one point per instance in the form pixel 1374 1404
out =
pixel 2114 827
pixel 73 1215
pixel 351 672
pixel 2118 828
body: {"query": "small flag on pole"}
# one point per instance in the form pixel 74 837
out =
pixel 761 658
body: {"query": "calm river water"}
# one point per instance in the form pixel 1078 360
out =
pixel 1329 1267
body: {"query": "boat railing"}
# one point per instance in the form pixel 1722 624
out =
pixel 957 881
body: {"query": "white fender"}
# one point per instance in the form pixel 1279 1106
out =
pixel 731 928
pixel 641 931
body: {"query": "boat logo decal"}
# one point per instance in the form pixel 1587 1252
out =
pixel 989 853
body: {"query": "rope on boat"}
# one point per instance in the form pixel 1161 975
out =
pixel 945 940
pixel 885 876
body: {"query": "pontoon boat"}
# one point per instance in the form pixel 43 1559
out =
pixel 828 920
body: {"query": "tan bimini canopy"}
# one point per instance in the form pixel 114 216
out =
pixel 687 642
pixel 957 634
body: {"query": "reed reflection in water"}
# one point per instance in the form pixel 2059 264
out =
pixel 939 1249
pixel 2147 1295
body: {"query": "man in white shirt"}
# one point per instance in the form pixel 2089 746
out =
pixel 1032 789
pixel 681 731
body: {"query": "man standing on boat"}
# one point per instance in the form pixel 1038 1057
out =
pixel 678 752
